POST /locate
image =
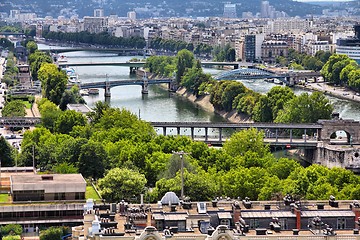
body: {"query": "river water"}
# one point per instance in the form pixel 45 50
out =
pixel 159 104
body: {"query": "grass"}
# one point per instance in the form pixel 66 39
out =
pixel 91 193
pixel 27 104
pixel 4 198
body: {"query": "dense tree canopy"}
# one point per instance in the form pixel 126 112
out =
pixel 14 108
pixel 122 184
pixel 53 82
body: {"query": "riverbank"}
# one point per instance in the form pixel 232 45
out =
pixel 204 103
pixel 339 92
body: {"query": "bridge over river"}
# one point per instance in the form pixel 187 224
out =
pixel 144 83
pixel 130 64
pixel 318 141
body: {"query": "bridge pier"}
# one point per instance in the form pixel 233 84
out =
pixel 107 93
pixel 178 130
pixel 133 70
pixel 220 134
pixel 206 134
pixel 164 131
pixel 145 87
pixel 192 133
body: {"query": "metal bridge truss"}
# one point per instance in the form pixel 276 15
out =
pixel 19 121
pixel 245 73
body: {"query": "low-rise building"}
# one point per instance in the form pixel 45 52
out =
pixel 49 187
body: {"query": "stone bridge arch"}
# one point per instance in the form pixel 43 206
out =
pixel 351 128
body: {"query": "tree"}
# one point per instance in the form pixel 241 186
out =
pixel 65 168
pixel 193 78
pixel 7 154
pixel 92 160
pixel 54 233
pixel 49 113
pixel 99 109
pixel 121 184
pixel 354 79
pixel 278 96
pixel 231 90
pixel 306 109
pixel 36 60
pixel 262 111
pixel 344 74
pixel 245 141
pixel 333 67
pixel 53 82
pixel 31 46
pixel 184 60
pixel 71 96
pixel 11 229
pixel 14 109
pixel 67 120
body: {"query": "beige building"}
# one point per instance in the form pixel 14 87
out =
pixel 272 49
pixel 50 187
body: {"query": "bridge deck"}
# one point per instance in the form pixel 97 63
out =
pixel 237 125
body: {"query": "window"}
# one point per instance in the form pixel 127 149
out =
pixel 341 223
pixel 254 223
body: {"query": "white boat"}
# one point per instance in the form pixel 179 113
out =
pixel 93 91
pixel 74 79
pixel 277 81
pixel 62 58
pixel 84 92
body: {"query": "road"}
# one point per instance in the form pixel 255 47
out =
pixel 339 92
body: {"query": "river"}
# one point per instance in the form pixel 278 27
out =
pixel 159 104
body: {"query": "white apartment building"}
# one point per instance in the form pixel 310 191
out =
pixel 289 25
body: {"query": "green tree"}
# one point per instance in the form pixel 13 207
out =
pixel 306 109
pixel 31 46
pixel 14 109
pixel 7 153
pixel 262 111
pixel 99 109
pixel 184 60
pixel 333 67
pixel 53 82
pixel 65 168
pixel 71 96
pixel 92 160
pixel 354 79
pixel 53 233
pixel 67 120
pixel 278 96
pixel 121 184
pixel 245 141
pixel 49 113
pixel 11 229
pixel 36 60
pixel 193 78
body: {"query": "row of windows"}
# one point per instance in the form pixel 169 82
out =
pixel 41 214
pixel 254 223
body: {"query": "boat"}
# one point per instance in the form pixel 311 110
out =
pixel 62 58
pixel 277 81
pixel 84 92
pixel 93 91
pixel 74 79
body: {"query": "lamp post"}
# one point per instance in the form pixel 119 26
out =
pixel 181 155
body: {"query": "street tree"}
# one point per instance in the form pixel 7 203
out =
pixel 67 120
pixel 53 82
pixel 92 160
pixel 14 108
pixel 121 184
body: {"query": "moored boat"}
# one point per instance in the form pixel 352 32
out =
pixel 74 79
pixel 93 91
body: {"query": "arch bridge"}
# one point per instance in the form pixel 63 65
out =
pixel 144 83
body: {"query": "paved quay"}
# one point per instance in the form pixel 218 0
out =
pixel 340 92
